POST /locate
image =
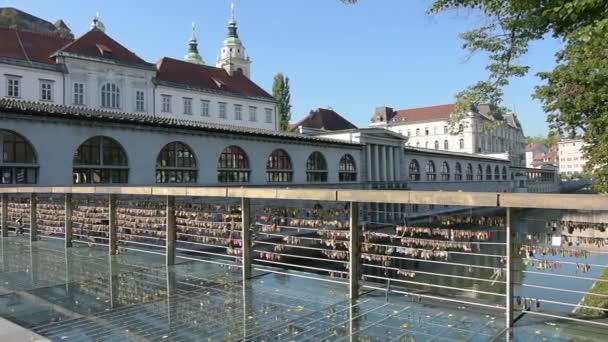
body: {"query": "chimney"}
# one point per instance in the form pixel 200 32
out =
pixel 383 114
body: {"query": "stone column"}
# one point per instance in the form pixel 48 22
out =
pixel 391 164
pixel 376 162
pixel 382 162
pixel 369 162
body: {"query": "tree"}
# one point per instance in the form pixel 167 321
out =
pixel 282 94
pixel 575 93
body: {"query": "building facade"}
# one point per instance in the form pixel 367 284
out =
pixel 54 145
pixel 572 160
pixel 95 71
pixel 476 133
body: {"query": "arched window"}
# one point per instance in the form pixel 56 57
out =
pixel 445 171
pixel 348 170
pixel 233 166
pixel 436 144
pixel 417 143
pixel 110 95
pixel 316 168
pixel 431 172
pixel 278 167
pixel 100 160
pixel 18 163
pixel 496 173
pixel 462 144
pixel 446 146
pixel 504 173
pixel 176 164
pixel 458 172
pixel 460 128
pixel 426 144
pixel 479 175
pixel 469 172
pixel 414 170
pixel 488 172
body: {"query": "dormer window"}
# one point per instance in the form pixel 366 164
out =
pixel 104 50
pixel 219 83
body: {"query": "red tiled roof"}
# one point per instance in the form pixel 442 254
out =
pixel 96 43
pixel 35 47
pixel 326 119
pixel 424 113
pixel 207 77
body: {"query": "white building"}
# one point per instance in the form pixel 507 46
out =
pixel 95 71
pixel 571 157
pixel 477 133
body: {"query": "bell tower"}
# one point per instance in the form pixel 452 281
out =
pixel 233 57
pixel 193 56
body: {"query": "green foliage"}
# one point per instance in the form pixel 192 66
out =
pixel 282 94
pixel 600 287
pixel 575 93
pixel 548 141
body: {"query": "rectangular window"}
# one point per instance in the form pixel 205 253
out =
pixel 222 108
pixel 426 131
pixel 238 112
pixel 268 115
pixel 445 129
pixel 13 87
pixel 409 132
pixel 46 90
pixel 187 106
pixel 139 101
pixel 253 113
pixel 78 94
pixel 166 102
pixel 204 108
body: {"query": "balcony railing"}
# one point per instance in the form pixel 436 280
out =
pixel 461 257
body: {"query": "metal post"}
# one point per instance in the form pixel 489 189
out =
pixel 113 282
pixel 509 279
pixel 112 225
pixel 354 262
pixel 33 217
pixel 171 233
pixel 246 237
pixel 68 220
pixel 4 215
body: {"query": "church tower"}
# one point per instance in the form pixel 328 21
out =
pixel 232 57
pixel 193 56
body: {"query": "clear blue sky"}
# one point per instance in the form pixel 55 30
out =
pixel 350 58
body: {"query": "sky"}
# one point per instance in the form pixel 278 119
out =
pixel 352 58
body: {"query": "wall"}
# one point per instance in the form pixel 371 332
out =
pixel 177 108
pixel 494 185
pixel 95 74
pixel 30 82
pixel 571 157
pixel 476 138
pixel 56 141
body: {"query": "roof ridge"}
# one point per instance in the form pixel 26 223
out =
pixel 95 29
pixel 424 107
pixel 43 34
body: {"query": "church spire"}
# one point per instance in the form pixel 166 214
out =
pixel 193 56
pixel 233 57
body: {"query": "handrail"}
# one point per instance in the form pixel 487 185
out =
pixel 479 199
